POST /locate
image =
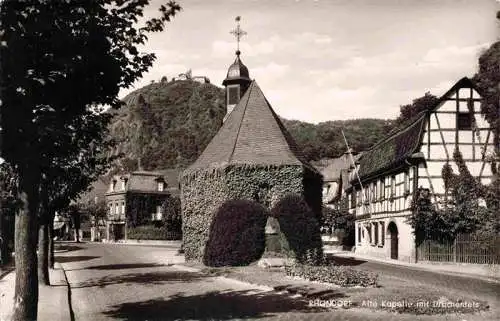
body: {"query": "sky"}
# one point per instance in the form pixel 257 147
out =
pixel 320 60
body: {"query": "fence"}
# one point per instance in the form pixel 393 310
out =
pixel 464 249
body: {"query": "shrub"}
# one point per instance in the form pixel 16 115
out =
pixel 236 234
pixel 336 274
pixel 172 219
pixel 300 228
pixel 151 232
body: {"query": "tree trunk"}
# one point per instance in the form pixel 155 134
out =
pixel 43 240
pixel 26 227
pixel 43 254
pixel 2 237
pixel 51 240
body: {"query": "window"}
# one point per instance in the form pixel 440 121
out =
pixel 124 182
pixel 382 233
pixel 464 121
pixel 382 189
pixel 123 208
pixel 393 185
pixel 161 186
pixel 113 185
pixel 233 95
pixel 407 181
pixel 359 234
pixel 374 192
pixel 375 233
pixel 158 215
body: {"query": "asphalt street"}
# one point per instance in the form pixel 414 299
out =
pixel 132 282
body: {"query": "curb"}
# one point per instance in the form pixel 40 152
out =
pixel 59 266
pixel 418 267
pixel 6 271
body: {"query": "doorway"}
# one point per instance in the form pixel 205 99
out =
pixel 393 233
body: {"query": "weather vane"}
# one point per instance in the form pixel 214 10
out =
pixel 238 33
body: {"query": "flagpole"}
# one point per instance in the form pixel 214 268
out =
pixel 352 158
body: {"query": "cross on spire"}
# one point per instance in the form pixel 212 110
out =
pixel 238 33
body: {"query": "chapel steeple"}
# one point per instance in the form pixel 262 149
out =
pixel 238 78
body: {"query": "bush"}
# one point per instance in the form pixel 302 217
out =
pixel 236 234
pixel 300 228
pixel 336 274
pixel 151 232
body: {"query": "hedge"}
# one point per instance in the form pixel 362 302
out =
pixel 236 234
pixel 151 232
pixel 300 227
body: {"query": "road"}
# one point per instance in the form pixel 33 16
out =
pixel 416 276
pixel 131 282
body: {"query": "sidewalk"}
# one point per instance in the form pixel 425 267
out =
pixel 52 300
pixel 480 271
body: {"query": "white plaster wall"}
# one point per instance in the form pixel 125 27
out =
pixel 406 239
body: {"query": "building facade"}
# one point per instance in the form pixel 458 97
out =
pixel 410 159
pixel 125 189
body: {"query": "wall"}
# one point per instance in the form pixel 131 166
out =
pixel 382 249
pixel 441 138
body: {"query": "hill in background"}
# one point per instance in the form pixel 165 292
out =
pixel 168 124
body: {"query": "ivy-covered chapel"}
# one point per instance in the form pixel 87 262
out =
pixel 252 157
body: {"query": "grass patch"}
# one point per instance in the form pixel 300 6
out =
pixel 339 275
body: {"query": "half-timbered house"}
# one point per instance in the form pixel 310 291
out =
pixel 392 171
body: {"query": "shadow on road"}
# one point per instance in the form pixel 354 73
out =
pixel 124 266
pixel 309 293
pixel 347 261
pixel 217 305
pixel 153 278
pixel 67 247
pixel 68 259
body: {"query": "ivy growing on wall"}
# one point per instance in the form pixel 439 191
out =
pixel 140 207
pixel 204 191
pixel 468 207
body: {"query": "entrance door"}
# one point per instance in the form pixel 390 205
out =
pixel 118 231
pixel 393 232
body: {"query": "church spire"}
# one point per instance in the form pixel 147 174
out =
pixel 238 78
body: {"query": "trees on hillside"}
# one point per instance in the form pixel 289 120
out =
pixel 59 61
pixel 418 105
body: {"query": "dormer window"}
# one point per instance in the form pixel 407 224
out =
pixel 113 185
pixel 160 186
pixel 123 184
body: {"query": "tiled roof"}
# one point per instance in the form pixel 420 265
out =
pixel 144 181
pixel 252 134
pixel 393 150
pixel 332 172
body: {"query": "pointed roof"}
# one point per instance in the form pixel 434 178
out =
pixel 252 134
